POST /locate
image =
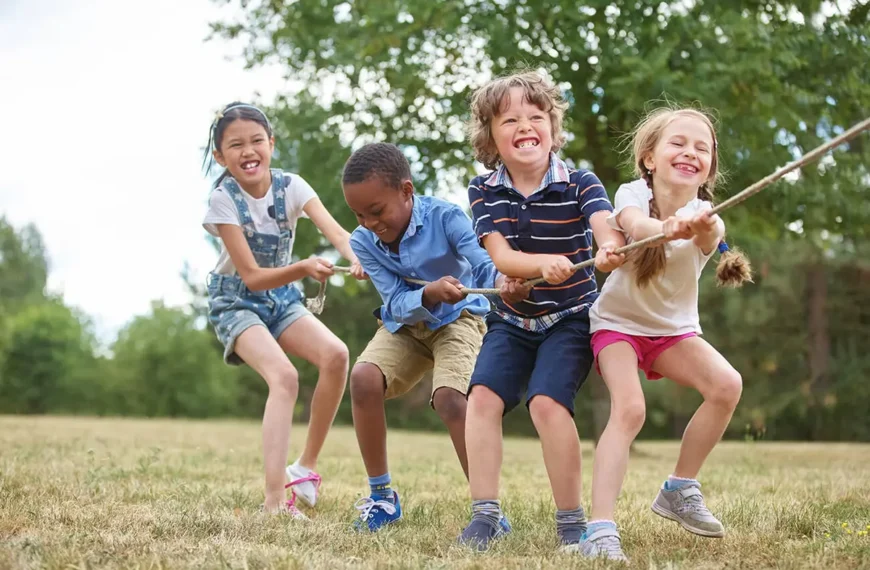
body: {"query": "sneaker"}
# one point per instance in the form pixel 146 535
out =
pixel 505 525
pixel 481 531
pixel 604 542
pixel 305 483
pixel 289 509
pixel 686 506
pixel 375 513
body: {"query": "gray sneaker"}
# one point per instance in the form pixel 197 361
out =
pixel 603 543
pixel 686 506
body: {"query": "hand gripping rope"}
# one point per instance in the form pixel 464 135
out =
pixel 316 305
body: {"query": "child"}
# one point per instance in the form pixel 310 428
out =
pixel 647 317
pixel 257 313
pixel 534 215
pixel 403 235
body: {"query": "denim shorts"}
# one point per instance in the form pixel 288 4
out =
pixel 233 308
pixel 553 363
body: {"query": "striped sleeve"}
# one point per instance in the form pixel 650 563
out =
pixel 483 225
pixel 591 196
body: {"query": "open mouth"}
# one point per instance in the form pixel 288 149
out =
pixel 250 166
pixel 526 143
pixel 687 168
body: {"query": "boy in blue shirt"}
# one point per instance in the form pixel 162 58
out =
pixel 421 328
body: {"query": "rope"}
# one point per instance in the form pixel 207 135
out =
pixel 316 305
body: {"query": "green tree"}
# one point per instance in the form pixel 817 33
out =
pixel 782 75
pixel 49 363
pixel 166 365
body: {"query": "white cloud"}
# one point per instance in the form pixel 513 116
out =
pixel 106 106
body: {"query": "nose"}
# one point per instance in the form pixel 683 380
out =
pixel 369 223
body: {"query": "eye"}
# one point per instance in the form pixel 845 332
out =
pixel 537 117
pixel 377 213
pixel 507 121
pixel 676 143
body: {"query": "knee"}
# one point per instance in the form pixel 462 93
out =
pixel 334 356
pixel 450 405
pixel 482 401
pixel 366 383
pixel 726 389
pixel 629 416
pixel 545 410
pixel 284 382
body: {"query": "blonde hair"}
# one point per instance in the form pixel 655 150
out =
pixel 734 268
pixel 493 98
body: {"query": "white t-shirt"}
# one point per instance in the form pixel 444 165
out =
pixel 668 305
pixel 222 210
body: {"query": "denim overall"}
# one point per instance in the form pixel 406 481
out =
pixel 232 307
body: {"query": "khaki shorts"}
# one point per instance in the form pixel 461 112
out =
pixel 406 355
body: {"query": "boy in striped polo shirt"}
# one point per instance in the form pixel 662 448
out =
pixel 535 216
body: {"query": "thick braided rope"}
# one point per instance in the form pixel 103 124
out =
pixel 815 154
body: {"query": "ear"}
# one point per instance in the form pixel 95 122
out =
pixel 649 163
pixel 219 158
pixel 407 189
pixel 271 145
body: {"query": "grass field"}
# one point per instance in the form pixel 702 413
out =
pixel 88 493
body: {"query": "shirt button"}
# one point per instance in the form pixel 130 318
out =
pixel 523 207
pixel 413 274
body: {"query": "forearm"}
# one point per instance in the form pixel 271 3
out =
pixel 517 263
pixel 265 278
pixel 708 240
pixel 643 228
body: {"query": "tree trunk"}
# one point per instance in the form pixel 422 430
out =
pixel 819 349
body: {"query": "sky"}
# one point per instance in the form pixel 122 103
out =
pixel 106 109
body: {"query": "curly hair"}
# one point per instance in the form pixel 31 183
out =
pixel 377 159
pixel 493 98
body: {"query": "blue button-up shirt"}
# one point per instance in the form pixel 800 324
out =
pixel 439 241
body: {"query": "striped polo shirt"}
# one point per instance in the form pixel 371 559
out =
pixel 552 220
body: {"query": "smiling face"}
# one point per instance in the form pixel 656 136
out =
pixel 246 151
pixel 380 207
pixel 522 133
pixel 683 155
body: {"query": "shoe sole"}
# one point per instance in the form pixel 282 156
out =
pixel 664 513
pixel 367 529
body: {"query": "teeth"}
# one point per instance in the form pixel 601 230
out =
pixel 527 144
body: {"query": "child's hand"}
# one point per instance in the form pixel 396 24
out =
pixel 555 268
pixel 448 289
pixel 356 270
pixel 605 260
pixel 318 268
pixel 703 223
pixel 513 289
pixel 677 228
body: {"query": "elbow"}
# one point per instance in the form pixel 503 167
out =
pixel 252 279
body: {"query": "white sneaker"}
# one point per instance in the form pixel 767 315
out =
pixel 304 482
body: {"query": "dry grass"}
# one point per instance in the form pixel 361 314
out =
pixel 87 493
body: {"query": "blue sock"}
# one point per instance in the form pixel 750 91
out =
pixel 674 483
pixel 380 487
pixel 592 526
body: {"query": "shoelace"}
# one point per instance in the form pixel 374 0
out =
pixel 312 477
pixel 366 505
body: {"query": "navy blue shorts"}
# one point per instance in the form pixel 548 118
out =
pixel 553 363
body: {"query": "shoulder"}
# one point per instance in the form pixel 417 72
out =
pixel 360 238
pixel 636 190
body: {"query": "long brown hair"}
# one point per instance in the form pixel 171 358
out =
pixel 734 268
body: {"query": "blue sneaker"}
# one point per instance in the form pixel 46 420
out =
pixel 505 525
pixel 376 513
pixel 481 531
